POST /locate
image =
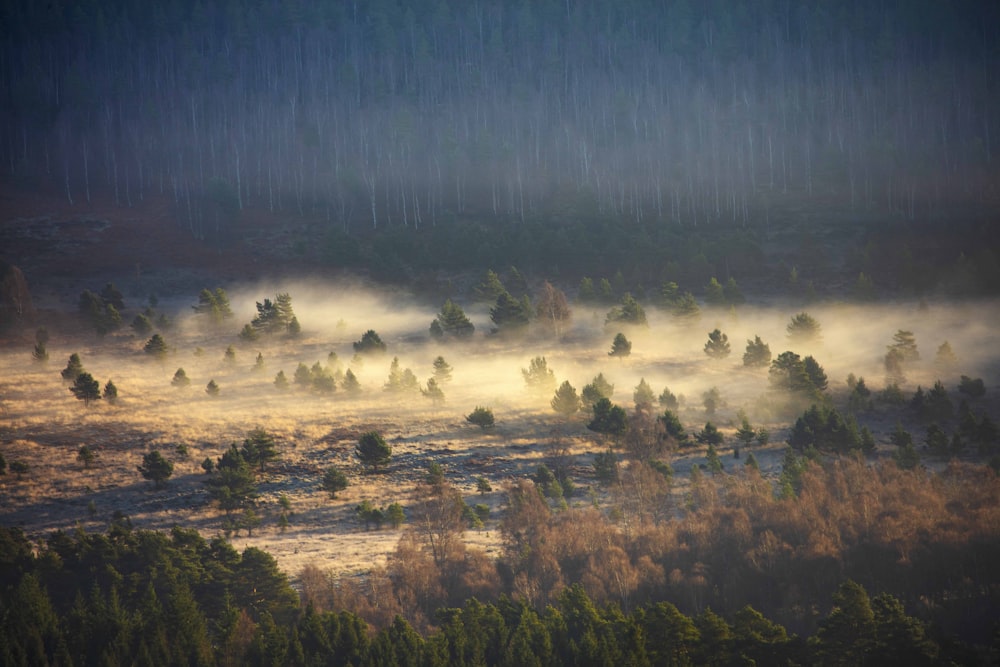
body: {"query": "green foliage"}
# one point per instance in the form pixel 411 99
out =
pixel 710 435
pixel 825 429
pixel 628 311
pixel 180 379
pixel 790 373
pixel 643 396
pixel 803 329
pixel 481 417
pixel 712 460
pixel 368 514
pixel 156 347
pixel 490 288
pixel 509 315
pixel 232 484
pixel 538 376
pixel 598 388
pixel 673 429
pixel 606 467
pixel 717 346
pixel 156 468
pixel 369 344
pixel 620 347
pixel 609 419
pixel 259 448
pixel 110 392
pixel 141 325
pixel 452 322
pixel 213 306
pixel 483 486
pixel 103 315
pixel 714 295
pixel 758 354
pixel 276 317
pixel 334 480
pixel 566 402
pixel 212 388
pixel 73 368
pixel 372 451
pixel 86 388
pixel 685 309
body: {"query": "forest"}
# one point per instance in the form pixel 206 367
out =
pixel 499 332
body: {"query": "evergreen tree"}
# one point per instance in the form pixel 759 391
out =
pixel 280 381
pixel 73 368
pixel 627 312
pixel 668 400
pixel 714 295
pixel 712 460
pixel 156 468
pixel 351 385
pixel 758 354
pixel 585 293
pixel 452 322
pixel 816 374
pixel 180 379
pixel 945 356
pixel 803 329
pixel 156 347
pixel 442 370
pixel 229 356
pixel 110 392
pixel 232 484
pixel 370 343
pixel 212 388
pixel 85 455
pixel 373 451
pixel 141 325
pixel 609 419
pixel 509 315
pixel 598 388
pixel 259 448
pixel 433 391
pixel 566 402
pixel 643 396
pixel 481 417
pixel 906 344
pixel 710 435
pixel 686 309
pixel 86 388
pixel 538 376
pixel 717 346
pixel 734 295
pixel 620 347
pixel 334 480
pixel 746 433
pixel 40 354
pixel 490 289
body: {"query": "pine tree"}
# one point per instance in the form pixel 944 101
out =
pixel 259 448
pixel 40 354
pixel 609 419
pixel 180 379
pixel 803 328
pixel 627 312
pixel 433 391
pixel 668 400
pixel 490 288
pixel 538 376
pixel 110 392
pixel 141 325
pixel 442 370
pixel 156 468
pixel 509 315
pixel 156 347
pixel 334 480
pixel 717 346
pixel 598 388
pixel 86 388
pixel 373 451
pixel 714 295
pixel 280 381
pixel 212 388
pixel 758 354
pixel 643 396
pixel 620 347
pixel 350 384
pixel 370 343
pixel 481 417
pixel 73 368
pixel 686 309
pixel 566 402
pixel 452 322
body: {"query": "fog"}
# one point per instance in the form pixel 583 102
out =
pixel 487 369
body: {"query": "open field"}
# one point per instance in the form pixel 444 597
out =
pixel 44 425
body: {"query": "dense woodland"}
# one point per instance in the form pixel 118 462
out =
pixel 605 135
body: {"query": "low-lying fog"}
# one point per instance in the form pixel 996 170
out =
pixel 487 368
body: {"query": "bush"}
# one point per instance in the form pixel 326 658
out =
pixel 481 417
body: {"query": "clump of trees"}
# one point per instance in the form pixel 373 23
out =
pixel 370 344
pixel 274 317
pixel 102 311
pixel 628 311
pixel 213 306
pixel 451 322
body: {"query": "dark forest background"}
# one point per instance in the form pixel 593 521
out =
pixel 563 134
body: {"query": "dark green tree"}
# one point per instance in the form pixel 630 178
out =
pixel 490 288
pixel 598 388
pixel 606 467
pixel 566 402
pixel 110 393
pixel 509 315
pixel 156 468
pixel 259 448
pixel 156 347
pixel 373 451
pixel 714 295
pixel 609 419
pixel 710 435
pixel 370 343
pixel 452 322
pixel 233 484
pixel 972 388
pixel 717 346
pixel 673 429
pixel 141 325
pixel 180 378
pixel 86 388
pixel 73 368
pixel 481 417
pixel 627 312
pixel 848 634
pixel 620 347
pixel 85 455
pixel 39 353
pixel 212 388
pixel 758 354
pixel 334 480
pixel 686 309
